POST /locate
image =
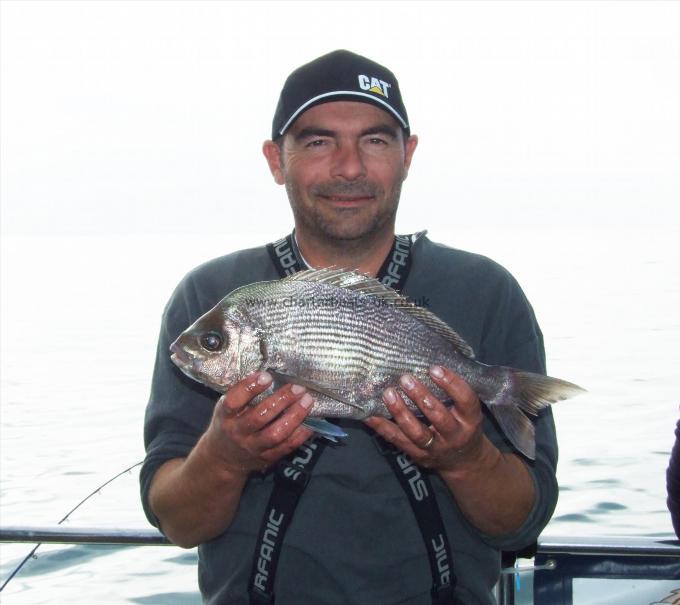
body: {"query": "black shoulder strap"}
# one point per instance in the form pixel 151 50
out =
pixel 293 473
pixel 397 265
pixel 286 256
pixel 290 479
pixel 287 259
pixel 418 487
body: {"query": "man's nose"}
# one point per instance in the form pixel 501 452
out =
pixel 348 162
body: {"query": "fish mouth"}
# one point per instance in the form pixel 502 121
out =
pixel 180 358
pixel 191 367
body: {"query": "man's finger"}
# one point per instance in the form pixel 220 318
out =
pixel 299 436
pixel 258 416
pixel 411 427
pixel 245 390
pixel 392 433
pixel 433 409
pixel 464 398
pixel 288 421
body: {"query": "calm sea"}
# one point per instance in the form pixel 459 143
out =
pixel 79 324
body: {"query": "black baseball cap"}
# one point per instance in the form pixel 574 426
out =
pixel 338 76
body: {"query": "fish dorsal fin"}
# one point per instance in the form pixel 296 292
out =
pixel 369 286
pixel 334 276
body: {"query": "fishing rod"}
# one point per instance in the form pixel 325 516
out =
pixel 31 554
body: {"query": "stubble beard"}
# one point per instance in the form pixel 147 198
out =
pixel 349 228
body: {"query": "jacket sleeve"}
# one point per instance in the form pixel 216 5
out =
pixel 179 409
pixel 513 338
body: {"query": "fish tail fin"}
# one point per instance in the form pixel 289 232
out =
pixel 529 393
pixel 326 429
pixel 533 392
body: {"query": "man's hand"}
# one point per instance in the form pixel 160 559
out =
pixel 246 438
pixel 195 498
pixel 454 436
pixel 493 489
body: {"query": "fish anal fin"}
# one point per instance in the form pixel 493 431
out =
pixel 517 428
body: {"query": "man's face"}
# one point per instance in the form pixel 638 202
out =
pixel 343 164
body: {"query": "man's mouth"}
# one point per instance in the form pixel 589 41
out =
pixel 347 200
pixel 346 195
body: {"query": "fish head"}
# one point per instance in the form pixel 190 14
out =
pixel 218 349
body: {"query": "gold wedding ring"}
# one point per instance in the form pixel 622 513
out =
pixel 429 443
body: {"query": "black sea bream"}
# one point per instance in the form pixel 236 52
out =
pixel 347 337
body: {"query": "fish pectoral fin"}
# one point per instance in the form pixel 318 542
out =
pixel 336 393
pixel 326 429
pixel 517 427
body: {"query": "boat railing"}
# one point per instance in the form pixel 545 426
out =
pixel 61 534
pixel 604 570
pixel 560 572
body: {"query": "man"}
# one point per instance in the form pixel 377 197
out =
pixel 357 531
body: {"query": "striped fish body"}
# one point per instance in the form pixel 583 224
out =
pixel 347 337
pixel 350 345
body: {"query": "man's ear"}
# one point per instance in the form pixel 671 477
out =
pixel 272 152
pixel 409 149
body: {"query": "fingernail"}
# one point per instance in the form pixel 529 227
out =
pixel 437 371
pixel 296 389
pixel 390 397
pixel 407 381
pixel 264 378
pixel 307 401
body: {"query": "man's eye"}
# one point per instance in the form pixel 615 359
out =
pixel 377 141
pixel 316 143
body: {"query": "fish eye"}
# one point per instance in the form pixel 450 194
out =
pixel 211 341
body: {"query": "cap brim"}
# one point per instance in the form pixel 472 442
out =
pixel 346 94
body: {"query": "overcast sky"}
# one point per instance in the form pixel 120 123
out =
pixel 549 140
pixel 148 117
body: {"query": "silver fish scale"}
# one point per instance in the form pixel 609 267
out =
pixel 351 343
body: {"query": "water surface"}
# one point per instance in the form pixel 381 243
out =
pixel 79 324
